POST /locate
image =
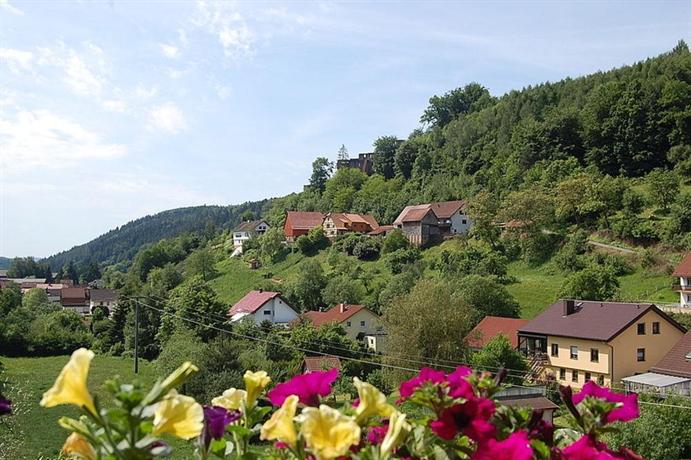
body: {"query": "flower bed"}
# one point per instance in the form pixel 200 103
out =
pixel 455 417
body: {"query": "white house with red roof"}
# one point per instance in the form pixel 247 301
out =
pixel 263 306
pixel 357 320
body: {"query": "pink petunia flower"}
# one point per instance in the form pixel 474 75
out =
pixel 426 374
pixel 307 387
pixel 587 448
pixel 515 447
pixel 459 387
pixel 376 434
pixel 470 418
pixel 627 411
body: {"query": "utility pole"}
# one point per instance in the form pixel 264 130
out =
pixel 136 336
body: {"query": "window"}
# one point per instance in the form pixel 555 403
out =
pixel 464 221
pixel 587 376
pixel 640 327
pixel 348 323
pixel 594 355
pixel 562 374
pixel 362 324
pixel 574 352
pixel 640 355
pixel 574 375
pixel 601 380
pixel 555 349
pixel 656 328
pixel 267 312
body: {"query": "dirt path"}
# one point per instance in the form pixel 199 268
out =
pixel 610 247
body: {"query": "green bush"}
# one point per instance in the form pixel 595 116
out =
pixel 367 248
pixel 394 241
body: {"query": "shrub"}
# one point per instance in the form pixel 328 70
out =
pixel 367 248
pixel 313 242
pixel 394 241
pixel 595 282
pixel 398 259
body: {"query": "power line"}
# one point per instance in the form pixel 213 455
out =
pixel 304 350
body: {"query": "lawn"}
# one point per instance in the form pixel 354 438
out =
pixel 39 428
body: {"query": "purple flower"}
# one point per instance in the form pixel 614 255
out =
pixel 515 447
pixel 307 387
pixel 426 374
pixel 587 448
pixel 5 406
pixel 470 418
pixel 216 419
pixel 629 403
pixel 376 434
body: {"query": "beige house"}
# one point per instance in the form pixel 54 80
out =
pixel 574 341
pixel 339 223
pixel 683 271
pixel 357 320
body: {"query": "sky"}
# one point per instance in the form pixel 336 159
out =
pixel 110 111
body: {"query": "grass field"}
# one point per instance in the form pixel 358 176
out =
pixel 41 434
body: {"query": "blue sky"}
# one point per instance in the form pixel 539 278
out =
pixel 113 110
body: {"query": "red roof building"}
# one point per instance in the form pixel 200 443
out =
pixel 263 306
pixel 320 363
pixel 683 271
pixel 491 326
pixel 338 223
pixel 357 320
pixel 299 223
pixel 431 222
pixel 677 361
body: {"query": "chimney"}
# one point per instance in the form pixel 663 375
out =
pixel 261 290
pixel 569 306
pixel 342 308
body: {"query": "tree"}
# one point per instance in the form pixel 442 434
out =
pixel 313 242
pixel 394 241
pixel 405 158
pixel 272 245
pixel 70 271
pixel 201 262
pixel 90 271
pixel 248 215
pixel 321 170
pixel 34 298
pixel 497 354
pixel 21 267
pixel 427 324
pixel 10 298
pixel 595 282
pixel 343 153
pixel 343 289
pixel 305 289
pixel 367 248
pixel 384 155
pixel 460 101
pixel 483 209
pixel 663 187
pixel 487 297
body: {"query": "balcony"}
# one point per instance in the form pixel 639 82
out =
pixel 681 288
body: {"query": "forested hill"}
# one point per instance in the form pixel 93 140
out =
pixel 4 263
pixel 122 243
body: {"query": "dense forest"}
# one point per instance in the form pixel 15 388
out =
pixel 121 244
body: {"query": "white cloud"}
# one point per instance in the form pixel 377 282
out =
pixel 115 105
pixel 223 20
pixel 223 91
pixel 167 117
pixel 41 138
pixel 5 5
pixel 15 59
pixel 170 51
pixel 142 92
pixel 84 71
pixel 81 78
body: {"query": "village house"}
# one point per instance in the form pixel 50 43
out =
pixel 531 397
pixel 299 223
pixel 53 290
pixel 429 223
pixel 263 306
pixel 364 162
pixel 357 320
pixel 320 363
pixel 246 230
pixel 671 375
pixel 339 223
pixel 75 299
pixel 574 341
pixel 492 326
pixel 103 298
pixel 683 272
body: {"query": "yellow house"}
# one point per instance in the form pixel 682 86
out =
pixel 574 341
pixel 357 320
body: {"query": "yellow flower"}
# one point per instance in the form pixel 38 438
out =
pixel 70 386
pixel 372 401
pixel 280 426
pixel 231 399
pixel 178 376
pixel 76 446
pixel 255 382
pixel 398 430
pixel 328 433
pixel 178 415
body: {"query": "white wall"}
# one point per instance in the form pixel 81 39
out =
pixel 457 225
pixel 276 311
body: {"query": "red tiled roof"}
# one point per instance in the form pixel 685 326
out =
pixel 73 293
pixel 252 302
pixel 381 230
pixel 337 314
pixel 305 220
pixel 412 214
pixel 677 361
pixel 591 319
pixel 446 209
pixel 491 326
pixel 442 210
pixel 684 268
pixel 321 363
pixel 342 220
